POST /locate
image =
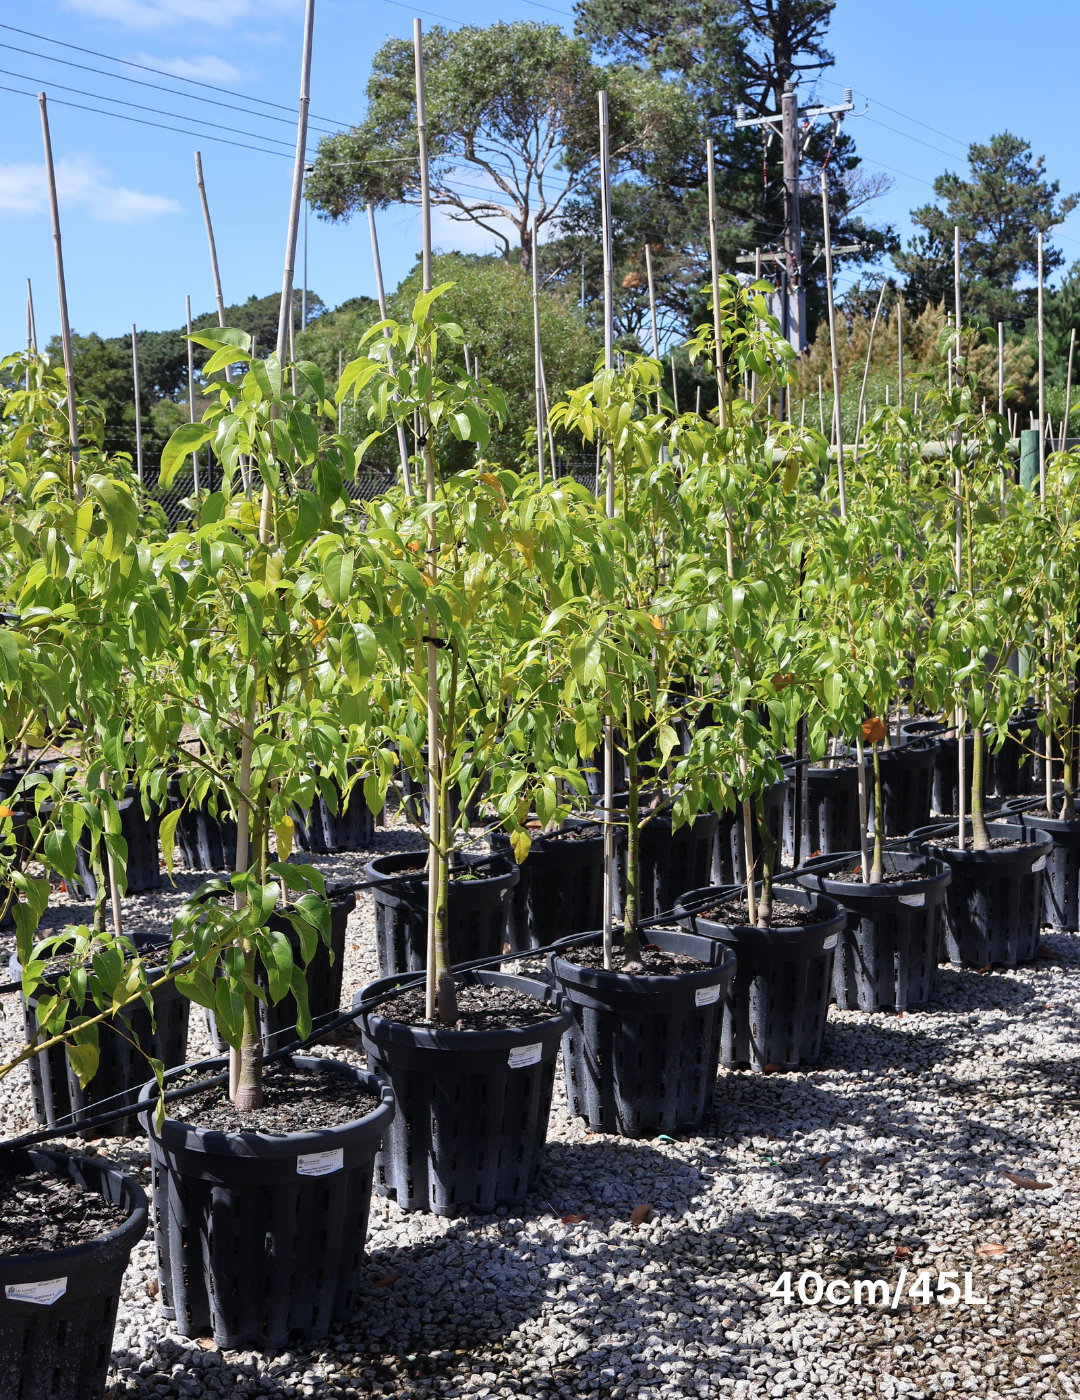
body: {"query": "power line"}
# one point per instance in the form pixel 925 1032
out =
pixel 949 155
pixel 161 72
pixel 154 87
pixel 897 113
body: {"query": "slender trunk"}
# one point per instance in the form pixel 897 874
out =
pixel 980 837
pixel 101 891
pixel 248 1095
pixel 445 989
pixel 631 942
pixel 768 861
pixel 878 869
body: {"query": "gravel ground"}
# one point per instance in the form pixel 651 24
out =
pixel 889 1159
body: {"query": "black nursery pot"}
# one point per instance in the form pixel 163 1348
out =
pixel 1061 877
pixel 323 976
pixel 560 890
pixel 477 911
pixel 260 1235
pixel 473 1106
pixel 993 906
pixel 834 810
pixel 669 860
pixel 58 1307
pixel 776 1006
pixel 206 842
pixel 640 1057
pixel 890 947
pixel 729 849
pixel 350 828
pixel 143 861
pixel 907 785
pixel 54 1086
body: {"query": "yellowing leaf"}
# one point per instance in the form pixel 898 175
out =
pixel 284 833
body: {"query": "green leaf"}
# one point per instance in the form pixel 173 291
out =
pixel 337 572
pixel 585 659
pixel 187 439
pixel 314 376
pixel 60 852
pixel 359 654
pixel 167 836
pixel 9 657
pixel 213 336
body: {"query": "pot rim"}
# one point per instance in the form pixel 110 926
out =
pixel 447 1038
pixel 665 982
pixel 836 889
pixel 778 937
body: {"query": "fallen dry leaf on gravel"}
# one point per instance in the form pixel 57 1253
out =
pixel 1027 1183
pixel 640 1214
pixel 208 1344
pixel 773 1069
pixel 991 1250
pixel 901 1252
pixel 572 1219
pixel 385 1282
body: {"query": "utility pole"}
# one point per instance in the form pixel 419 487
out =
pixel 786 121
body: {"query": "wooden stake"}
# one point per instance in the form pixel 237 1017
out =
pixel 191 389
pixel 1068 390
pixel 866 374
pixel 961 713
pixel 715 272
pixel 536 351
pixel 609 510
pixel 403 451
pixel 32 325
pixel 547 419
pixel 697 408
pixel 652 313
pixel 138 406
pixel 900 353
pixel 61 286
pixel 821 405
pixel 1042 399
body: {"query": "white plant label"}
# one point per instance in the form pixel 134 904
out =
pixel 523 1055
pixel 321 1163
pixel 45 1292
pixel 829 943
pixel 915 900
pixel 705 996
pixel 1040 864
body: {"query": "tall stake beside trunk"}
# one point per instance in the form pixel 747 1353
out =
pixel 403 453
pixel 537 377
pixel 138 405
pixel 842 494
pixel 61 287
pixel 1048 742
pixel 191 390
pixel 961 725
pixel 1068 390
pixel 866 372
pixel 609 510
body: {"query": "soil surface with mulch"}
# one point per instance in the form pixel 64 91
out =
pixel 1044 815
pixel 292 1103
pixel 39 1212
pixel 784 915
pixel 655 962
pixel 997 843
pixel 480 1008
pixel 888 877
pixel 459 874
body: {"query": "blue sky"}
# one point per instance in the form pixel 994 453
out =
pixel 935 76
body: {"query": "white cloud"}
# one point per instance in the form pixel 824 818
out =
pixel 79 182
pixel 166 14
pixel 207 68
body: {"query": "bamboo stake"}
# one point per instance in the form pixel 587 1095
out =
pixel 900 352
pixel 218 297
pixel 715 273
pixel 138 406
pixel 961 714
pixel 403 452
pixel 821 405
pixel 842 493
pixel 30 317
pixel 866 374
pixel 61 286
pixel 1068 390
pixel 652 314
pixel 609 510
pixel 191 390
pixel 547 419
pixel 1048 750
pixel 536 351
pixel 341 406
pixel 697 408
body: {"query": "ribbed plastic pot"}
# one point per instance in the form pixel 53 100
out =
pixel 143 861
pixel 58 1307
pixel 323 976
pixel 834 809
pixel 778 1001
pixel 640 1057
pixel 560 890
pixel 669 861
pixel 477 911
pixel 350 828
pixel 889 950
pixel 729 854
pixel 206 842
pixel 993 906
pixel 260 1236
pixel 907 785
pixel 54 1087
pixel 1061 877
pixel 1010 771
pixel 473 1106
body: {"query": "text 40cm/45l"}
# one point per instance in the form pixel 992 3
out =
pixel 812 1290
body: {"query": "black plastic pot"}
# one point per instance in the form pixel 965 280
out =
pixel 473 1105
pixel 890 947
pixel 1061 877
pixel 640 1057
pixel 729 853
pixel 206 842
pixel 834 809
pixel 993 906
pixel 477 911
pixel 54 1086
pixel 260 1236
pixel 561 886
pixel 143 861
pixel 323 976
pixel 1010 771
pixel 350 828
pixel 58 1307
pixel 776 1006
pixel 907 786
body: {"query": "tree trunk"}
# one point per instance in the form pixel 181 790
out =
pixel 631 941
pixel 980 837
pixel 249 1088
pixel 768 863
pixel 877 871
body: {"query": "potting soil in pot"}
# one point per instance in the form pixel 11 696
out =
pixel 783 915
pixel 480 1008
pixel 39 1211
pixel 655 962
pixel 289 1105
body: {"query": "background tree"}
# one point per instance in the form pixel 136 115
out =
pixel 516 105
pixel 1000 210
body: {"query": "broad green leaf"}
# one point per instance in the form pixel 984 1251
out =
pixel 188 438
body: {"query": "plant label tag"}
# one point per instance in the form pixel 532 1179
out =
pixel 321 1163
pixel 829 943
pixel 705 996
pixel 1040 864
pixel 45 1292
pixel 523 1055
pixel 916 901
